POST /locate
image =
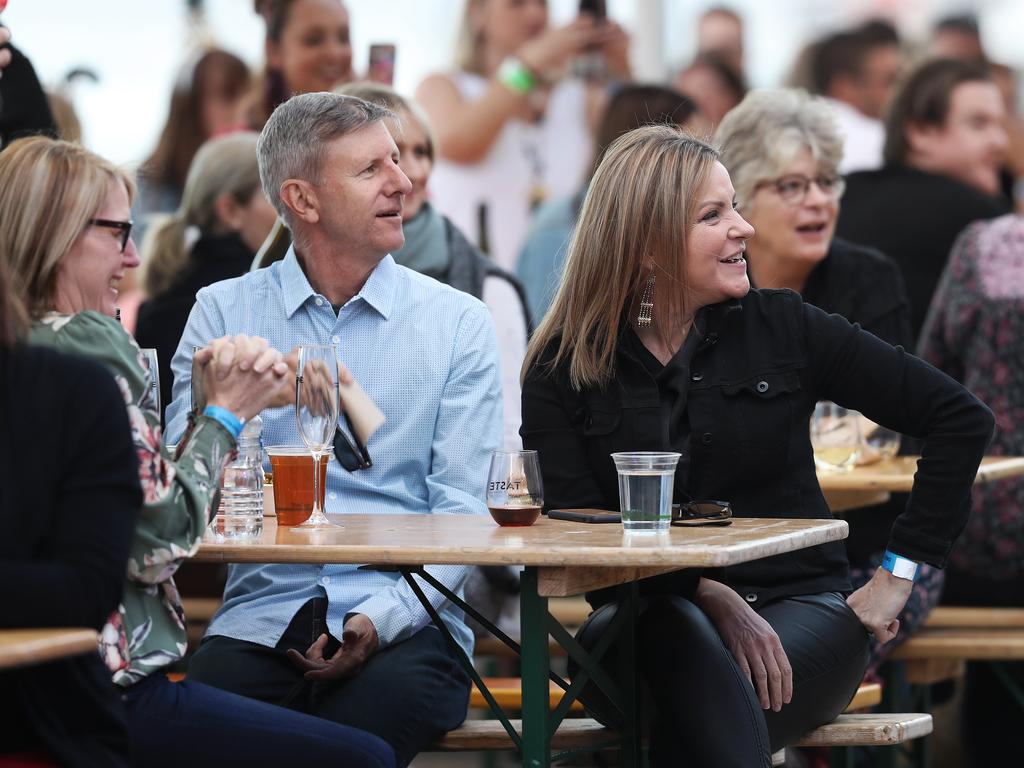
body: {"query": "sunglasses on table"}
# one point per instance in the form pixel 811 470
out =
pixel 703 512
pixel 124 229
pixel 349 449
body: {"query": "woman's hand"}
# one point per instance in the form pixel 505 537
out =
pixel 879 602
pixel 752 642
pixel 552 48
pixel 615 47
pixel 241 373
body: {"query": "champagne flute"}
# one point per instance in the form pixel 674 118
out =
pixel 316 413
pixel 835 437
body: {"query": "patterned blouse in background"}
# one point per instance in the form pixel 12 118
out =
pixel 975 333
pixel 148 630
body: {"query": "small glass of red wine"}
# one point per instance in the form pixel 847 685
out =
pixel 515 493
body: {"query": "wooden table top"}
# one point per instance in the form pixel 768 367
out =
pixel 22 647
pixel 477 540
pixel 572 558
pixel 897 474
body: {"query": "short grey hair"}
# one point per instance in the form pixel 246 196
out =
pixel 762 135
pixel 293 144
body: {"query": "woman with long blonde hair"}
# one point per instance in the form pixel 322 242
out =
pixel 512 127
pixel 655 342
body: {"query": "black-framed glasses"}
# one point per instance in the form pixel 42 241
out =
pixel 703 512
pixel 123 227
pixel 349 449
pixel 794 187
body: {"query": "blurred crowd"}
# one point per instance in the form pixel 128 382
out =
pixel 881 181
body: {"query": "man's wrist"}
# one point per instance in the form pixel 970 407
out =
pixel 899 566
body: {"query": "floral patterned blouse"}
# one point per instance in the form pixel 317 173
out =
pixel 975 333
pixel 147 632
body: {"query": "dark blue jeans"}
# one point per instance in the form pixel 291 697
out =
pixel 196 725
pixel 409 693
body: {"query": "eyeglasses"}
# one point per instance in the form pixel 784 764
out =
pixel 706 512
pixel 349 450
pixel 793 188
pixel 124 227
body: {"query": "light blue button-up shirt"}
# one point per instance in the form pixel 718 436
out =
pixel 427 355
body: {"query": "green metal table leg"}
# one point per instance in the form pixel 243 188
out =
pixel 535 669
pixel 632 731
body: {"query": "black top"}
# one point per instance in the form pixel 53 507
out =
pixel 866 287
pixel 673 383
pixel 763 363
pixel 69 496
pixel 912 217
pixel 162 318
pixel 24 109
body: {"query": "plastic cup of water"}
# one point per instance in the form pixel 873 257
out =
pixel 645 490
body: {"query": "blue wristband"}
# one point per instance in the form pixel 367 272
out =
pixel 230 422
pixel 899 566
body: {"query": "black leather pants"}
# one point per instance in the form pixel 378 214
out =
pixel 704 711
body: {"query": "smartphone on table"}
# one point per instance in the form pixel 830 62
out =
pixel 585 515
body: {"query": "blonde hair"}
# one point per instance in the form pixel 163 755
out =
pixel 49 189
pixel 222 166
pixel 762 135
pixel 389 98
pixel 469 44
pixel 634 222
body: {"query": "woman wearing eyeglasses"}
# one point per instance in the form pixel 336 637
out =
pixel 655 342
pixel 783 150
pixel 66 239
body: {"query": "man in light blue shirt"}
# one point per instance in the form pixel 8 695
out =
pixel 427 355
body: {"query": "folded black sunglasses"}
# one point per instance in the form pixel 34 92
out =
pixel 704 512
pixel 349 449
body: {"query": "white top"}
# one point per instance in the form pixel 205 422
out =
pixel 554 153
pixel 510 327
pixel 863 138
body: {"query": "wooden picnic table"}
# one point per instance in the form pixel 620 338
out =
pixel 872 484
pixel 24 647
pixel 561 558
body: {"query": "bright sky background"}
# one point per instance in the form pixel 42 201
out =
pixel 137 46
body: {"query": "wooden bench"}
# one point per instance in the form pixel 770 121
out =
pixel 847 730
pixel 939 651
pixel 508 692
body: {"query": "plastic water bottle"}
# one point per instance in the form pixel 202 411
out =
pixel 240 515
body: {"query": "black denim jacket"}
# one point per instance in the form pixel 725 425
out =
pixel 763 363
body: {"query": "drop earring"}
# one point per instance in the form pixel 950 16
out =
pixel 643 319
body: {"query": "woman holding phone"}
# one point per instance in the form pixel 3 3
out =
pixel 511 128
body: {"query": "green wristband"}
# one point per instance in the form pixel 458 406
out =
pixel 516 76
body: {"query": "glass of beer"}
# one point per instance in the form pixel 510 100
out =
pixel 292 468
pixel 514 490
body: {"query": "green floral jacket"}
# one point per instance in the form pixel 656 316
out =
pixel 147 632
